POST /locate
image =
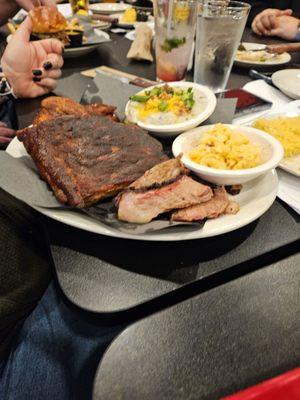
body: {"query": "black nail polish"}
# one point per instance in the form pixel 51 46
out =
pixel 36 79
pixel 37 72
pixel 47 65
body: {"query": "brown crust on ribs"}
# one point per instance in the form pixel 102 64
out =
pixel 87 159
pixel 53 107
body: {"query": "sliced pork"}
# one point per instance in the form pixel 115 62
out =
pixel 219 204
pixel 141 206
pixel 160 174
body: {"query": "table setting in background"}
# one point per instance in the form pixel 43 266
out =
pixel 165 164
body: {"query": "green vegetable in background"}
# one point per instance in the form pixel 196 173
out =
pixel 139 98
pixel 173 43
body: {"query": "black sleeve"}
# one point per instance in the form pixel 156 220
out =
pixel 257 7
pixel 25 266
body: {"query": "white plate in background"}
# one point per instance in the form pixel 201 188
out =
pixel 109 8
pixel 282 59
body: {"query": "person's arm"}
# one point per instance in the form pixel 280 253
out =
pixel 285 27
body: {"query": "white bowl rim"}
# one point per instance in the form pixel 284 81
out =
pixel 208 94
pixel 275 159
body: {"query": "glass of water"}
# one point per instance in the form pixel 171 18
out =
pixel 175 25
pixel 220 25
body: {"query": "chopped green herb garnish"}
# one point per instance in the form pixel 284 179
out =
pixel 139 98
pixel 163 105
pixel 188 98
pixel 156 91
pixel 173 43
pixel 184 98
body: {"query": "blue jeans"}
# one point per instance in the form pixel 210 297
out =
pixel 56 353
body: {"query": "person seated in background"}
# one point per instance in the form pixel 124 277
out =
pixel 275 18
pixel 31 69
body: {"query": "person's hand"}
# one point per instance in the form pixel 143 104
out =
pixel 261 24
pixel 285 27
pixel 6 134
pixel 32 68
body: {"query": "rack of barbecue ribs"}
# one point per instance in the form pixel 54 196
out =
pixel 53 107
pixel 88 159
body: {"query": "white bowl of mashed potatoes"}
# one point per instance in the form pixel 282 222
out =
pixel 171 108
pixel 228 154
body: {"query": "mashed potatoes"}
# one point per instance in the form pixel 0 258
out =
pixel 286 130
pixel 224 148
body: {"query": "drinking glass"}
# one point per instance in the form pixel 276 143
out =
pixel 80 7
pixel 220 25
pixel 175 25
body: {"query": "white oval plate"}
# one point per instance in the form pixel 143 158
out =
pixel 109 8
pixel 177 128
pixel 288 81
pixel 255 199
pixel 72 52
pixel 282 59
pixel 80 51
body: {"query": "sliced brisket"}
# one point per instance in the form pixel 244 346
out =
pixel 141 206
pixel 219 204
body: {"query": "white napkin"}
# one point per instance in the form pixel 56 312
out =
pixel 131 34
pixel 289 189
